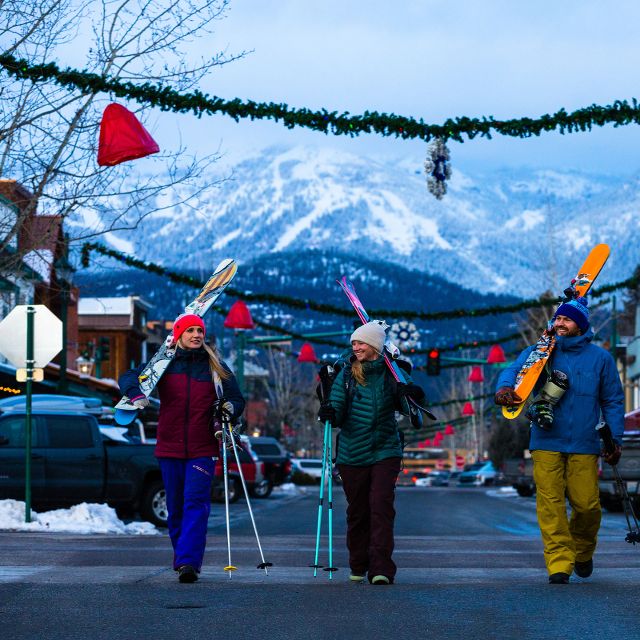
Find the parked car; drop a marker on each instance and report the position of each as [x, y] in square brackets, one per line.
[311, 466]
[477, 474]
[518, 472]
[73, 461]
[252, 471]
[434, 479]
[276, 459]
[408, 477]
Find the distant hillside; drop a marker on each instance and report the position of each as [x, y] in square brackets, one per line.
[312, 275]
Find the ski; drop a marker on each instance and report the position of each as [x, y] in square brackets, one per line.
[390, 351]
[532, 368]
[125, 411]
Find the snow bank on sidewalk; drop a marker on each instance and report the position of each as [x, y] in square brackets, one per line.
[82, 518]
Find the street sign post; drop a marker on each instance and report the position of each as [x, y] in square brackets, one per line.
[30, 336]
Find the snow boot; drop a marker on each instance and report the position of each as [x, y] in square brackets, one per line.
[187, 573]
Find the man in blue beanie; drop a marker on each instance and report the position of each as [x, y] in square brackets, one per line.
[582, 387]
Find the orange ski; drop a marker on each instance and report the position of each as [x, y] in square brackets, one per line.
[535, 363]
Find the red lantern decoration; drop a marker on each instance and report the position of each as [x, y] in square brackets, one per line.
[449, 430]
[421, 445]
[427, 442]
[496, 355]
[438, 437]
[122, 137]
[476, 375]
[239, 317]
[467, 410]
[307, 354]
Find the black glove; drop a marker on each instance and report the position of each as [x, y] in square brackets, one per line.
[411, 390]
[614, 457]
[541, 413]
[223, 409]
[506, 396]
[327, 412]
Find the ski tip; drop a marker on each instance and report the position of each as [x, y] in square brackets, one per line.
[125, 417]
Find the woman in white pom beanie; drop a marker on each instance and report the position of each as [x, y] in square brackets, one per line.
[363, 402]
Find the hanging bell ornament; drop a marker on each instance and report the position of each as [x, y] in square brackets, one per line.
[122, 137]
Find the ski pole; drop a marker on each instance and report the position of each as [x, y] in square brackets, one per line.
[633, 536]
[329, 463]
[315, 564]
[225, 478]
[263, 564]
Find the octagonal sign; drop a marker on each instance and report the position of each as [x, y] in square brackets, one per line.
[47, 336]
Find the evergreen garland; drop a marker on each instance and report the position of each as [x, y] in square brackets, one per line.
[619, 113]
[307, 304]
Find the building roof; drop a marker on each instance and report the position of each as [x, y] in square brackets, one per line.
[120, 306]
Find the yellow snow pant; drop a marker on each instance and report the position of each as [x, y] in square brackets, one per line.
[574, 475]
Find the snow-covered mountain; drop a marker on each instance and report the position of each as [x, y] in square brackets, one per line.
[518, 232]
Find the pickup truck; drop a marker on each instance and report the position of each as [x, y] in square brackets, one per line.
[629, 467]
[72, 461]
[519, 471]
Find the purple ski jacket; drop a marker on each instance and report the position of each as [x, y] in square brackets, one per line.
[187, 394]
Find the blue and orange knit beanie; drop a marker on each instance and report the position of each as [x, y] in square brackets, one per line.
[577, 310]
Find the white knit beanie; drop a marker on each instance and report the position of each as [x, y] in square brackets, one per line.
[372, 334]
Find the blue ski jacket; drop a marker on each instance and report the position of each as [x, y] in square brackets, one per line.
[594, 390]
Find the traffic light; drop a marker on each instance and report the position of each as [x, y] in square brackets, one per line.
[433, 363]
[104, 347]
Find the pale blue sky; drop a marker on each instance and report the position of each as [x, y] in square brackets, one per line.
[432, 59]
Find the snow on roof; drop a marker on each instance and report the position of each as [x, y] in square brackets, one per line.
[121, 306]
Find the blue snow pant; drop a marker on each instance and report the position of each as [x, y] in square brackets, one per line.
[188, 487]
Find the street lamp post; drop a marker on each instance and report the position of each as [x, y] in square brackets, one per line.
[64, 274]
[239, 319]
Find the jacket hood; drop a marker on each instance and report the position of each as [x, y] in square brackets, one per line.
[574, 343]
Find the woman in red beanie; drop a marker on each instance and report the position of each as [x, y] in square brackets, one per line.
[186, 449]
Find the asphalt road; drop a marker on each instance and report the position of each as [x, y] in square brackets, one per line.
[470, 566]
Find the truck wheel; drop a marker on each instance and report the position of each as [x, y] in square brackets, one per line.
[525, 492]
[154, 504]
[262, 489]
[235, 491]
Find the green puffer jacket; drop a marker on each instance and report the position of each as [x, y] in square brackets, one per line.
[369, 433]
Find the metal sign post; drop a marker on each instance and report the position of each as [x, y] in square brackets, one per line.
[30, 336]
[27, 427]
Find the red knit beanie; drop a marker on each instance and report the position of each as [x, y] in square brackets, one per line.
[183, 322]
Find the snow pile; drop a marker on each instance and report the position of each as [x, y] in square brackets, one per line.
[288, 488]
[81, 518]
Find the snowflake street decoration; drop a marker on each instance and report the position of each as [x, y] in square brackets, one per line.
[404, 334]
[437, 168]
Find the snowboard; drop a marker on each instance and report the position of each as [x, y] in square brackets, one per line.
[390, 352]
[535, 363]
[125, 411]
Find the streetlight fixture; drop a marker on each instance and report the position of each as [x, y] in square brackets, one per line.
[85, 365]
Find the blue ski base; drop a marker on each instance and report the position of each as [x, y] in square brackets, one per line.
[125, 417]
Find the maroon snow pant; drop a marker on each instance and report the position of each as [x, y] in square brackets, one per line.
[370, 495]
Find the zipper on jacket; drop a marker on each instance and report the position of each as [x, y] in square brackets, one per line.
[186, 408]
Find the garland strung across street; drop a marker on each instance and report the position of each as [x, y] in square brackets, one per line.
[620, 113]
[310, 305]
